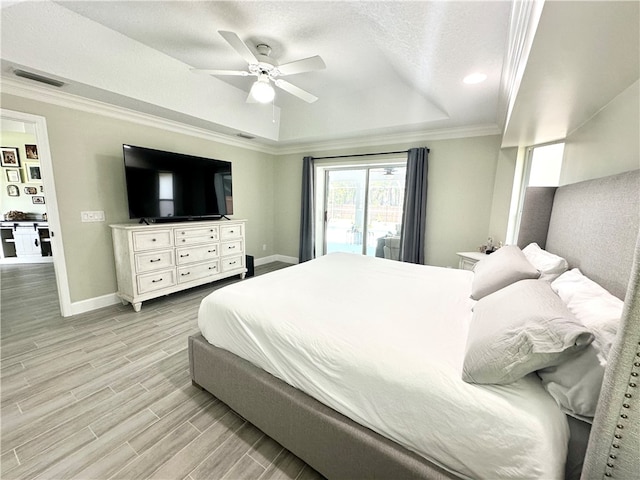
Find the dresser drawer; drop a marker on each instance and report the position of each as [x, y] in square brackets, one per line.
[150, 282]
[232, 263]
[190, 236]
[195, 272]
[230, 231]
[196, 254]
[231, 248]
[149, 240]
[148, 262]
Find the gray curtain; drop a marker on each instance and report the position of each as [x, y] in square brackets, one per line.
[307, 217]
[414, 216]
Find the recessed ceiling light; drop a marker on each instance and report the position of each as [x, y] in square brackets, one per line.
[474, 78]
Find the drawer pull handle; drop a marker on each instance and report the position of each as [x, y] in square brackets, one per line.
[232, 263]
[156, 260]
[212, 268]
[231, 231]
[185, 274]
[156, 281]
[211, 251]
[183, 240]
[231, 247]
[212, 237]
[153, 239]
[185, 255]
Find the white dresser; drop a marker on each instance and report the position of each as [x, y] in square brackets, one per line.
[159, 259]
[469, 259]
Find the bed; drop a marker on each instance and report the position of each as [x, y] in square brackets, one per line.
[334, 386]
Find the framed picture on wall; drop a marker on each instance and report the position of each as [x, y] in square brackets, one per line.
[9, 157]
[13, 175]
[32, 152]
[37, 200]
[31, 190]
[33, 172]
[13, 191]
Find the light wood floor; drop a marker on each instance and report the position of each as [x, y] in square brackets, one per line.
[107, 394]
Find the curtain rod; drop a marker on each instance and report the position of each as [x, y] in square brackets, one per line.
[362, 155]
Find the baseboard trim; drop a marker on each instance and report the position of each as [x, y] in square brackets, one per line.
[274, 258]
[95, 303]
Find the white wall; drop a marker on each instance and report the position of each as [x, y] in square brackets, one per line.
[608, 143]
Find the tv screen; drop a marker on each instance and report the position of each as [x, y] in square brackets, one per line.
[165, 185]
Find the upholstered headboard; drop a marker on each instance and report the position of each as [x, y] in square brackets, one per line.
[595, 226]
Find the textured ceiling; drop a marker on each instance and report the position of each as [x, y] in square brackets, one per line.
[391, 66]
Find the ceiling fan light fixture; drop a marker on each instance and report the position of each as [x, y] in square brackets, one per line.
[262, 91]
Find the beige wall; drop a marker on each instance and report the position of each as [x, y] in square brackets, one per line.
[608, 143]
[460, 198]
[86, 150]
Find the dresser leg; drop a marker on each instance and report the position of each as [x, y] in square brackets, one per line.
[137, 306]
[242, 275]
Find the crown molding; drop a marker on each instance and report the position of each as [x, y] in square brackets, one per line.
[11, 86]
[523, 24]
[393, 139]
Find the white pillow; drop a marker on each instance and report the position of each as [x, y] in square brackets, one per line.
[505, 266]
[549, 265]
[591, 304]
[575, 384]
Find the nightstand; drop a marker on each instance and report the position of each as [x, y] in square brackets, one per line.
[469, 259]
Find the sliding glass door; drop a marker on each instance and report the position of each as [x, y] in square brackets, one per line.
[363, 210]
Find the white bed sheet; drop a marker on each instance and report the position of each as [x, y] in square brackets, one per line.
[383, 342]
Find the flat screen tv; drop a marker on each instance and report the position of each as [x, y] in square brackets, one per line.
[166, 186]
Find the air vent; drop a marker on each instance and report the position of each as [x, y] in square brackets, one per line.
[244, 135]
[38, 78]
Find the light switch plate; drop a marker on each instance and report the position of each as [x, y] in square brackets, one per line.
[95, 216]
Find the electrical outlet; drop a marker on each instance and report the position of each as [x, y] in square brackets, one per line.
[95, 216]
[264, 247]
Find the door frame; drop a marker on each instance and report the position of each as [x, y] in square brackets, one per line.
[53, 217]
[321, 170]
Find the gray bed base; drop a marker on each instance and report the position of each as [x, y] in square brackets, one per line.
[331, 443]
[340, 448]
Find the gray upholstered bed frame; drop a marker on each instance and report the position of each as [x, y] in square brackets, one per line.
[594, 225]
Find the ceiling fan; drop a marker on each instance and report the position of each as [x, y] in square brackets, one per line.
[267, 70]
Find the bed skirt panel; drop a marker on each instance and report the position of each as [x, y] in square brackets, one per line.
[331, 443]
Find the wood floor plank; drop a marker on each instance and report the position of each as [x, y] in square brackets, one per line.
[246, 468]
[79, 395]
[108, 465]
[206, 446]
[225, 456]
[92, 452]
[165, 448]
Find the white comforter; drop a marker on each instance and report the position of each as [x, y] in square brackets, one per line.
[383, 342]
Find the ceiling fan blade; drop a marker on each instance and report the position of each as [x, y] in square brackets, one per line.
[239, 73]
[296, 91]
[239, 46]
[300, 66]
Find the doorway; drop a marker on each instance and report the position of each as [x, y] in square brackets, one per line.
[363, 210]
[36, 172]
